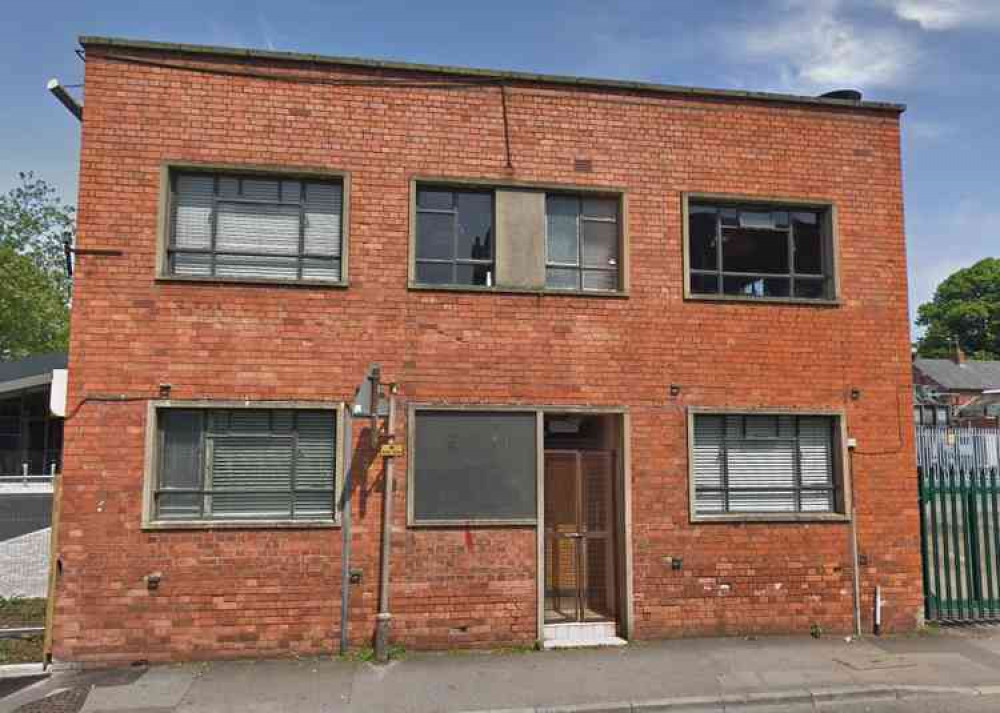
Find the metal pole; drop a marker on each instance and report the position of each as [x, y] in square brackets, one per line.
[855, 559]
[384, 618]
[345, 560]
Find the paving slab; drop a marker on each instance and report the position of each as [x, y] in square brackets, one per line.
[313, 685]
[159, 688]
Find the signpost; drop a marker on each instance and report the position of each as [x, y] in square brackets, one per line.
[370, 401]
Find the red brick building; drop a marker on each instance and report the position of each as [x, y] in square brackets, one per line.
[651, 346]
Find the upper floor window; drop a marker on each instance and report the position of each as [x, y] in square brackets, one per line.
[518, 238]
[759, 251]
[255, 227]
[454, 237]
[581, 242]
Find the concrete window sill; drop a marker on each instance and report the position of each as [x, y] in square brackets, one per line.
[738, 518]
[240, 525]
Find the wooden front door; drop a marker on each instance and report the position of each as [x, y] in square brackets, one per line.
[579, 536]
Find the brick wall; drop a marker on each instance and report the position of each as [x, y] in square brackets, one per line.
[259, 592]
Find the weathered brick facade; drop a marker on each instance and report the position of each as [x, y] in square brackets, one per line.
[258, 592]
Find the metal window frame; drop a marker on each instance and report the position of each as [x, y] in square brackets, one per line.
[841, 480]
[579, 268]
[829, 234]
[166, 209]
[454, 261]
[620, 193]
[155, 453]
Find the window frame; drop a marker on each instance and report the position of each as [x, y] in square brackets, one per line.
[165, 223]
[154, 451]
[617, 193]
[455, 261]
[579, 268]
[829, 237]
[841, 469]
[411, 431]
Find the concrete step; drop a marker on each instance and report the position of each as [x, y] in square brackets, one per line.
[598, 633]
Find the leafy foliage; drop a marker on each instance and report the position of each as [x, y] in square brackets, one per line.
[966, 309]
[34, 287]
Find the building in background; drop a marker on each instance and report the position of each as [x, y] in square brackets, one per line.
[955, 390]
[32, 409]
[635, 328]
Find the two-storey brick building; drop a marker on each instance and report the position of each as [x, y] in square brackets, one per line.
[651, 345]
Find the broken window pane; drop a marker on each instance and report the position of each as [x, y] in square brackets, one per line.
[454, 227]
[808, 244]
[815, 289]
[756, 286]
[745, 250]
[475, 226]
[704, 284]
[702, 232]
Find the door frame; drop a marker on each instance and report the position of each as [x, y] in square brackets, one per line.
[623, 516]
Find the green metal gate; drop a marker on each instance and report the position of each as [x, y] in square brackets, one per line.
[959, 473]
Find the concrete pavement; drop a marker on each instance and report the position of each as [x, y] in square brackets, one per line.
[703, 674]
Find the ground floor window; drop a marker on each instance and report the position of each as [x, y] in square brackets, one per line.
[766, 463]
[473, 467]
[245, 464]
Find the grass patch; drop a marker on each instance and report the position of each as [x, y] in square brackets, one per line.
[27, 650]
[367, 654]
[18, 612]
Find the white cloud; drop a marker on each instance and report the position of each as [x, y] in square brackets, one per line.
[815, 46]
[928, 131]
[947, 14]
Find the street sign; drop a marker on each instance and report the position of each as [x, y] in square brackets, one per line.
[362, 405]
[392, 450]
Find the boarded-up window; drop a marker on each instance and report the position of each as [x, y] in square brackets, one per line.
[246, 464]
[255, 227]
[471, 466]
[764, 464]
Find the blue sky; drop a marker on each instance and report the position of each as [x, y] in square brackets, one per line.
[937, 56]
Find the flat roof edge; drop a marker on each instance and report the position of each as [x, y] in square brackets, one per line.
[499, 75]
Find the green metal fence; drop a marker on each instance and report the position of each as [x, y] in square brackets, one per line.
[959, 472]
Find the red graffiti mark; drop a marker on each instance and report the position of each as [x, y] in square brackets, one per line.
[468, 541]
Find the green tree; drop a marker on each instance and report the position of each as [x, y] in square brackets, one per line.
[966, 310]
[34, 286]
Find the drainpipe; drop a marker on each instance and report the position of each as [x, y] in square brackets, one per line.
[345, 514]
[384, 619]
[855, 559]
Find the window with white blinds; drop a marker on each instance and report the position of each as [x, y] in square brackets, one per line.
[764, 464]
[246, 464]
[256, 227]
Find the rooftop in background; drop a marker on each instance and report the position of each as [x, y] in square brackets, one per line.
[486, 75]
[32, 366]
[962, 376]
